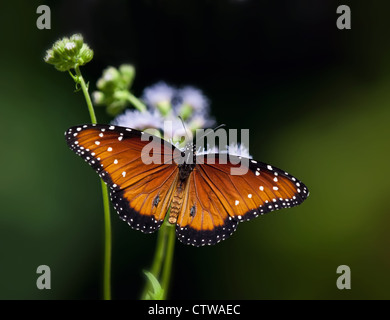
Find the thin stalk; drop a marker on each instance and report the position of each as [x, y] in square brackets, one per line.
[107, 244]
[160, 251]
[162, 261]
[167, 268]
[136, 102]
[106, 204]
[157, 260]
[87, 97]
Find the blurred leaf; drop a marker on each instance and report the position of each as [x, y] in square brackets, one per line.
[158, 292]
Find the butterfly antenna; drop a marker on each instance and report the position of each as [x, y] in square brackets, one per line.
[185, 128]
[220, 126]
[212, 130]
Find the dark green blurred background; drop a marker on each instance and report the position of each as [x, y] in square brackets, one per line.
[316, 101]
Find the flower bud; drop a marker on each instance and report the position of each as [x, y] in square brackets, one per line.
[116, 107]
[159, 96]
[128, 74]
[98, 98]
[186, 111]
[164, 107]
[69, 53]
[108, 82]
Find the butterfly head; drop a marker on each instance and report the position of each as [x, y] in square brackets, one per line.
[189, 153]
[189, 157]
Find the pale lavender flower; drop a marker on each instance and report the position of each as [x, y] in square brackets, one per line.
[157, 94]
[195, 98]
[165, 104]
[199, 121]
[174, 130]
[208, 150]
[238, 149]
[139, 120]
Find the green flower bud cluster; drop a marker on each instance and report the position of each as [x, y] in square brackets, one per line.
[69, 53]
[114, 89]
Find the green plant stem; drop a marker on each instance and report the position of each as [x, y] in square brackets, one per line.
[87, 97]
[136, 102]
[157, 260]
[106, 204]
[107, 243]
[167, 268]
[160, 251]
[162, 261]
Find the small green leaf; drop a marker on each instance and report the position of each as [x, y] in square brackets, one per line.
[158, 292]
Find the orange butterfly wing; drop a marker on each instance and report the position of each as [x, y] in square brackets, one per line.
[216, 201]
[141, 193]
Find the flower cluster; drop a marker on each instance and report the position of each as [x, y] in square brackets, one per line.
[165, 104]
[69, 53]
[114, 89]
[172, 113]
[186, 102]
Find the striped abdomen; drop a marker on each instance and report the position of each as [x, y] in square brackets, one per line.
[177, 201]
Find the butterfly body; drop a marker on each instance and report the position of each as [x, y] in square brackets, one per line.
[177, 202]
[202, 197]
[185, 170]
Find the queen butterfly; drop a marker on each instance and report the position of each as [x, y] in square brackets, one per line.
[206, 202]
